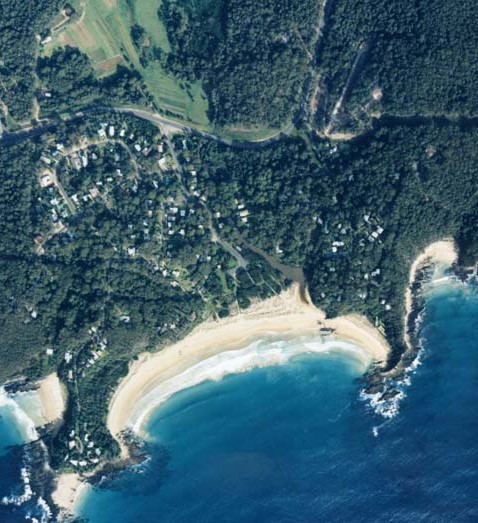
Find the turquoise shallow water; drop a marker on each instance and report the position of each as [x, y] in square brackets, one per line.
[11, 460]
[294, 443]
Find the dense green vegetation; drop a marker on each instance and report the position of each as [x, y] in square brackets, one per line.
[355, 215]
[421, 55]
[251, 56]
[20, 21]
[134, 267]
[123, 265]
[110, 248]
[68, 83]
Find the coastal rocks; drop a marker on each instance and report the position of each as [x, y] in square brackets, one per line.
[37, 483]
[19, 385]
[384, 391]
[136, 455]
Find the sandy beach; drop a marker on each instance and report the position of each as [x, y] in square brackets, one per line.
[46, 403]
[52, 398]
[285, 313]
[68, 489]
[439, 253]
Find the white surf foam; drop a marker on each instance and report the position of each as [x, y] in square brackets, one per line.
[25, 424]
[262, 353]
[19, 499]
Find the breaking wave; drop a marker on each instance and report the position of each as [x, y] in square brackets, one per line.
[25, 424]
[261, 353]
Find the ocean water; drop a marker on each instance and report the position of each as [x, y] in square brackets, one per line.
[15, 430]
[296, 443]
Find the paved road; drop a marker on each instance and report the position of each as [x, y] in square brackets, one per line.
[156, 118]
[162, 120]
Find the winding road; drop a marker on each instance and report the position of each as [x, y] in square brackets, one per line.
[155, 118]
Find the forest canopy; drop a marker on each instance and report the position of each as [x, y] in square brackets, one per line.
[251, 56]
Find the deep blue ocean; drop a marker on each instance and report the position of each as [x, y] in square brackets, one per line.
[295, 443]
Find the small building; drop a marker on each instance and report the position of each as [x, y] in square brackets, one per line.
[46, 180]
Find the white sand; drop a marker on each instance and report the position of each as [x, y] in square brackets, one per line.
[52, 397]
[283, 314]
[68, 490]
[441, 253]
[45, 404]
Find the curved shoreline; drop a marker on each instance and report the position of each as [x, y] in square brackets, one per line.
[269, 351]
[282, 314]
[441, 253]
[286, 313]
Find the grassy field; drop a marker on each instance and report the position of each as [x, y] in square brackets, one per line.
[103, 31]
[146, 15]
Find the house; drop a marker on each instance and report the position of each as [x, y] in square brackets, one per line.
[102, 133]
[111, 131]
[46, 180]
[76, 162]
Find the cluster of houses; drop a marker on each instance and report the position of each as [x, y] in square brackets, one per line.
[82, 451]
[95, 349]
[139, 145]
[93, 352]
[241, 211]
[60, 205]
[377, 229]
[177, 218]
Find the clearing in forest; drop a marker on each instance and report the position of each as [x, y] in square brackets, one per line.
[102, 30]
